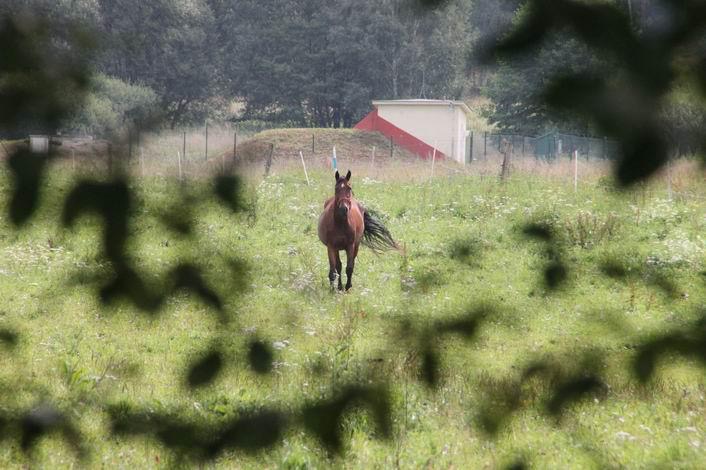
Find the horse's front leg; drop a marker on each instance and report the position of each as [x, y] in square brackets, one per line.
[339, 267]
[351, 253]
[332, 257]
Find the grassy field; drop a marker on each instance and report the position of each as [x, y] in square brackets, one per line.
[465, 254]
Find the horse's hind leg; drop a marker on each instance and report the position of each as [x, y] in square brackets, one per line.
[339, 267]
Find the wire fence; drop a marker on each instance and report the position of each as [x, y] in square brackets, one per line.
[548, 147]
[195, 151]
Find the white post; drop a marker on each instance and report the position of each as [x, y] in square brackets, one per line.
[142, 162]
[304, 165]
[334, 163]
[433, 160]
[576, 169]
[73, 160]
[669, 178]
[372, 160]
[179, 160]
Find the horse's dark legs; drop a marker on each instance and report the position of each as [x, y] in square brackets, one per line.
[332, 257]
[351, 253]
[339, 267]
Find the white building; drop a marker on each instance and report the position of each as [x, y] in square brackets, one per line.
[440, 124]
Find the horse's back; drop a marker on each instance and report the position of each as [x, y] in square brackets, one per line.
[358, 219]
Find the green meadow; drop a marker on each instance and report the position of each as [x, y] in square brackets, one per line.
[473, 346]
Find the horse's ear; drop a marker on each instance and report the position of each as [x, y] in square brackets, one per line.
[337, 175]
[348, 175]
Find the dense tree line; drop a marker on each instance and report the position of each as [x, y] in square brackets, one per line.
[315, 62]
[303, 62]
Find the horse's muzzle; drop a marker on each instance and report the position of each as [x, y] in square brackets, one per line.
[343, 208]
[342, 211]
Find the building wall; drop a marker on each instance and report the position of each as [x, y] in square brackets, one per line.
[460, 136]
[437, 125]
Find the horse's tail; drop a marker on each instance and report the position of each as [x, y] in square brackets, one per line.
[375, 235]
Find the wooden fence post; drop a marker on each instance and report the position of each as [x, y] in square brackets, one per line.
[268, 163]
[179, 162]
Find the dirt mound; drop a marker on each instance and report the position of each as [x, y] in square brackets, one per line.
[285, 144]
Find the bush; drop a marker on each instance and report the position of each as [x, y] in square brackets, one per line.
[112, 105]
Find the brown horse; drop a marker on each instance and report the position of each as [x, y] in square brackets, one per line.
[343, 224]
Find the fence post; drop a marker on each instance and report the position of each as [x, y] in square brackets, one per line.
[235, 145]
[433, 159]
[206, 149]
[183, 146]
[470, 151]
[179, 162]
[129, 144]
[392, 146]
[142, 162]
[576, 170]
[304, 165]
[268, 162]
[110, 159]
[485, 145]
[523, 146]
[312, 144]
[372, 160]
[669, 178]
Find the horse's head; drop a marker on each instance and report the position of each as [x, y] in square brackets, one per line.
[344, 193]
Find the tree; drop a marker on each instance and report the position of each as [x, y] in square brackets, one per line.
[112, 105]
[321, 63]
[164, 45]
[516, 88]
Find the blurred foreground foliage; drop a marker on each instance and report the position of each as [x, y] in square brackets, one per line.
[34, 79]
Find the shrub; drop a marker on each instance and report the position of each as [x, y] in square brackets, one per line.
[111, 105]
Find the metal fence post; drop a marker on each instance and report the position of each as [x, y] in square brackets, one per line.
[235, 144]
[470, 150]
[183, 146]
[485, 145]
[206, 149]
